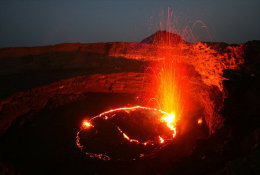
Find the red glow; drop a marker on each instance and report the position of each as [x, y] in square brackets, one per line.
[168, 120]
[200, 121]
[173, 86]
[182, 74]
[86, 124]
[161, 139]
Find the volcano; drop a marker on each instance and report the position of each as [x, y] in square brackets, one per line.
[47, 93]
[163, 38]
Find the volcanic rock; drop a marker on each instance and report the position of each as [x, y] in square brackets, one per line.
[68, 76]
[25, 68]
[66, 91]
[163, 38]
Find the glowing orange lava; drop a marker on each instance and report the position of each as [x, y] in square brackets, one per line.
[170, 121]
[86, 124]
[173, 85]
[181, 73]
[200, 121]
[161, 139]
[165, 119]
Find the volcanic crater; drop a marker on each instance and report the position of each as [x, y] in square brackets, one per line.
[47, 92]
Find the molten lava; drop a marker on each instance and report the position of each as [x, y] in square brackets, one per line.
[185, 79]
[184, 76]
[161, 139]
[86, 124]
[147, 128]
[200, 121]
[169, 119]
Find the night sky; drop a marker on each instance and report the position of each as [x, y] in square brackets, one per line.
[46, 22]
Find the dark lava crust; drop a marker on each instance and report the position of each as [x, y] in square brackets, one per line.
[40, 138]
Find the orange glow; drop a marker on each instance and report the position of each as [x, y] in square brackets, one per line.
[172, 86]
[200, 121]
[170, 121]
[126, 137]
[161, 139]
[181, 71]
[164, 118]
[167, 118]
[87, 124]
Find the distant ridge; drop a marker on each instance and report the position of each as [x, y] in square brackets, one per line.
[163, 38]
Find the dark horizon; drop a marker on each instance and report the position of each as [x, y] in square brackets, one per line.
[39, 23]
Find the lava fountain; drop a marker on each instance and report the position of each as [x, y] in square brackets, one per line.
[185, 85]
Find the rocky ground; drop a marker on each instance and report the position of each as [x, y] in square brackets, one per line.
[46, 92]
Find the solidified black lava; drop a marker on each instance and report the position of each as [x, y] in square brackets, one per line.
[46, 144]
[125, 134]
[42, 140]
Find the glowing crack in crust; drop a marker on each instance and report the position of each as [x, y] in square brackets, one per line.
[166, 119]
